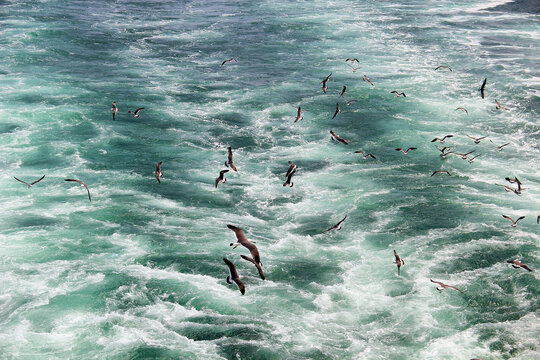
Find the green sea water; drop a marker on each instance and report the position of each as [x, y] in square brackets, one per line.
[137, 273]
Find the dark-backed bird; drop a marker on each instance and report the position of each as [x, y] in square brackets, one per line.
[512, 181]
[337, 226]
[499, 148]
[443, 67]
[136, 112]
[233, 276]
[441, 172]
[32, 183]
[229, 162]
[398, 261]
[241, 239]
[398, 94]
[405, 152]
[472, 159]
[352, 60]
[228, 60]
[338, 110]
[365, 156]
[158, 172]
[299, 114]
[463, 109]
[464, 156]
[516, 264]
[292, 168]
[365, 78]
[444, 286]
[514, 223]
[324, 86]
[343, 90]
[444, 153]
[336, 137]
[483, 87]
[82, 184]
[221, 177]
[476, 140]
[499, 106]
[114, 110]
[509, 189]
[443, 138]
[349, 102]
[353, 68]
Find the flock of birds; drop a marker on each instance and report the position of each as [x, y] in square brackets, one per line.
[229, 163]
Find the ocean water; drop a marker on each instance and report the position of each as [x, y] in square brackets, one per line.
[138, 273]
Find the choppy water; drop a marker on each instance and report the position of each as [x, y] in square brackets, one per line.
[138, 272]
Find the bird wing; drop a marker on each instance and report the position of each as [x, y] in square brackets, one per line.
[83, 184]
[455, 288]
[41, 178]
[371, 155]
[235, 277]
[509, 218]
[222, 172]
[137, 111]
[412, 148]
[519, 218]
[291, 168]
[259, 267]
[525, 267]
[437, 282]
[24, 182]
[337, 111]
[158, 166]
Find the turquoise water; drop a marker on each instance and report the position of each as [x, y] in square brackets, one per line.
[138, 272]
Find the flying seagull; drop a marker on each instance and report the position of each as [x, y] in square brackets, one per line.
[233, 276]
[338, 110]
[398, 261]
[353, 68]
[476, 140]
[242, 240]
[472, 159]
[365, 78]
[336, 137]
[82, 184]
[324, 86]
[365, 156]
[136, 112]
[158, 172]
[337, 226]
[292, 168]
[483, 87]
[114, 110]
[514, 223]
[509, 189]
[229, 162]
[398, 94]
[32, 183]
[499, 148]
[405, 152]
[349, 102]
[298, 114]
[352, 60]
[444, 286]
[221, 177]
[464, 156]
[516, 264]
[499, 106]
[442, 140]
[343, 90]
[443, 67]
[441, 172]
[463, 109]
[228, 60]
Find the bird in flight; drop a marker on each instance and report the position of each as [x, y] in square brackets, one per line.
[343, 90]
[514, 223]
[229, 162]
[463, 109]
[499, 106]
[158, 172]
[516, 264]
[442, 140]
[482, 88]
[338, 110]
[337, 226]
[233, 276]
[444, 286]
[241, 239]
[443, 67]
[353, 68]
[365, 156]
[499, 148]
[476, 140]
[398, 261]
[299, 114]
[405, 152]
[352, 60]
[82, 184]
[114, 110]
[324, 86]
[365, 78]
[228, 60]
[336, 137]
[398, 94]
[32, 183]
[441, 172]
[221, 177]
[136, 112]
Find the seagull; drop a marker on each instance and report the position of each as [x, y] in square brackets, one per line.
[114, 110]
[352, 60]
[407, 151]
[444, 286]
[445, 154]
[353, 68]
[464, 156]
[398, 94]
[482, 87]
[476, 140]
[472, 159]
[336, 137]
[516, 264]
[443, 67]
[221, 177]
[337, 226]
[324, 87]
[509, 189]
[292, 168]
[365, 78]
[349, 102]
[229, 162]
[32, 183]
[242, 240]
[82, 184]
[299, 114]
[538, 219]
[158, 172]
[233, 276]
[365, 156]
[442, 140]
[499, 106]
[398, 261]
[228, 60]
[338, 110]
[136, 112]
[441, 172]
[462, 109]
[514, 223]
[499, 148]
[289, 179]
[343, 90]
